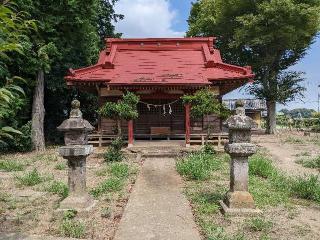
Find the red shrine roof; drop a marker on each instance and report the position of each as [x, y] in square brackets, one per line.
[159, 61]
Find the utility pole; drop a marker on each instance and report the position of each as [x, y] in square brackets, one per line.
[318, 99]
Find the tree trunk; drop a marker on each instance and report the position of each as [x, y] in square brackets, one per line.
[271, 117]
[119, 127]
[38, 111]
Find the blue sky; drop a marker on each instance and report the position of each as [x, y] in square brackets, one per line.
[168, 18]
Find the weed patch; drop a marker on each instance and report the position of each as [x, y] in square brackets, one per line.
[293, 140]
[109, 185]
[11, 166]
[306, 188]
[198, 166]
[261, 166]
[30, 179]
[70, 227]
[309, 162]
[59, 188]
[60, 166]
[258, 224]
[119, 170]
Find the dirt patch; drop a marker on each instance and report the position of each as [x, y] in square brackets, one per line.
[285, 151]
[30, 209]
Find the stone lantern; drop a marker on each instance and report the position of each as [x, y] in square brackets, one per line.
[76, 151]
[238, 200]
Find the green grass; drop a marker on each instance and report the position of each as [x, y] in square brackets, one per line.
[109, 185]
[261, 166]
[30, 179]
[307, 187]
[72, 228]
[293, 140]
[59, 188]
[60, 166]
[309, 162]
[119, 170]
[11, 166]
[259, 224]
[198, 166]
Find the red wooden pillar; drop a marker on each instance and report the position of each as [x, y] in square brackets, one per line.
[130, 133]
[187, 119]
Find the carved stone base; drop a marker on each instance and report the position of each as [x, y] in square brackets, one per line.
[79, 203]
[239, 211]
[239, 199]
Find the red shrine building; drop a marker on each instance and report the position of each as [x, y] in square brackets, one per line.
[160, 71]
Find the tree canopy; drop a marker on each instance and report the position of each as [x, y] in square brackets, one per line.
[269, 35]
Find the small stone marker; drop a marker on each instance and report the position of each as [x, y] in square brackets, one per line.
[76, 151]
[238, 200]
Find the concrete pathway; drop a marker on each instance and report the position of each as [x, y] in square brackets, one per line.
[157, 208]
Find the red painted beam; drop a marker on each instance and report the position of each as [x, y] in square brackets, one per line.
[187, 119]
[130, 133]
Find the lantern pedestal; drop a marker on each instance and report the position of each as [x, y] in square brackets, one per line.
[78, 198]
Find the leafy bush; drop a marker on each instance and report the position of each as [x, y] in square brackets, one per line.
[306, 188]
[119, 170]
[109, 185]
[59, 188]
[11, 166]
[20, 142]
[114, 153]
[30, 179]
[198, 166]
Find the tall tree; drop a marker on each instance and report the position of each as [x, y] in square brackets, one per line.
[68, 36]
[269, 35]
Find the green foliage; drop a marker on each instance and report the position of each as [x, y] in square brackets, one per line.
[123, 109]
[209, 149]
[198, 166]
[204, 102]
[30, 179]
[258, 224]
[306, 188]
[119, 170]
[20, 142]
[109, 185]
[59, 188]
[11, 165]
[106, 212]
[114, 153]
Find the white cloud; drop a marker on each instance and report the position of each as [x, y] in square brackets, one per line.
[146, 18]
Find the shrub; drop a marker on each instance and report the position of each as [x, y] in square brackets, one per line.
[109, 185]
[114, 153]
[11, 166]
[306, 188]
[59, 188]
[261, 166]
[20, 142]
[30, 179]
[119, 170]
[197, 166]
